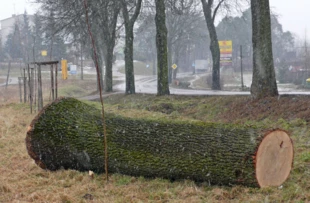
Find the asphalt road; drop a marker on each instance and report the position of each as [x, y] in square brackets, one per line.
[148, 84]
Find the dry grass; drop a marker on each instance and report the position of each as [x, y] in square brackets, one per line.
[22, 180]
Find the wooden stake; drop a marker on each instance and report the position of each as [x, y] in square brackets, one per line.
[25, 86]
[35, 87]
[40, 97]
[31, 89]
[20, 89]
[56, 81]
[52, 82]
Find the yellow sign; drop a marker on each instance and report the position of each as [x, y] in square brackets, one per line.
[226, 53]
[174, 66]
[308, 80]
[44, 53]
[64, 69]
[225, 47]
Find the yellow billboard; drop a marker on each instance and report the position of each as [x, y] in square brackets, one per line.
[225, 47]
[64, 69]
[226, 53]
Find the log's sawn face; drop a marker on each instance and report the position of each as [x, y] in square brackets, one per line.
[68, 134]
[274, 159]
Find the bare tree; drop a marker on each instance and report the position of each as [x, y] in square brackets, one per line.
[145, 40]
[108, 15]
[129, 24]
[162, 52]
[103, 15]
[210, 13]
[186, 39]
[211, 9]
[264, 80]
[183, 18]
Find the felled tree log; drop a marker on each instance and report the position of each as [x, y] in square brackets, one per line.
[68, 134]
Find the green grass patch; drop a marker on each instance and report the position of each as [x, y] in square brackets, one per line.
[305, 157]
[72, 91]
[123, 179]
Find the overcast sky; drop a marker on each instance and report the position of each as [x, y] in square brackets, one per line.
[9, 7]
[293, 15]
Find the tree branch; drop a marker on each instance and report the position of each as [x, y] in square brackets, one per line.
[216, 9]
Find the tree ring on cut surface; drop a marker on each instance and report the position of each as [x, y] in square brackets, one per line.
[274, 159]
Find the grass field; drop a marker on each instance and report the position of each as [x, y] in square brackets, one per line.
[22, 180]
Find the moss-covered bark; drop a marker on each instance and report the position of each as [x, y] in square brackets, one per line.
[68, 134]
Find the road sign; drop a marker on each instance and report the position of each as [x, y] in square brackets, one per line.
[44, 53]
[174, 66]
[73, 69]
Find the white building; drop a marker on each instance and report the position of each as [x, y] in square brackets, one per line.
[7, 25]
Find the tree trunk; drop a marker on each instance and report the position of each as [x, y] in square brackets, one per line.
[8, 75]
[169, 61]
[68, 134]
[106, 36]
[264, 80]
[214, 47]
[161, 44]
[108, 67]
[129, 24]
[100, 57]
[129, 66]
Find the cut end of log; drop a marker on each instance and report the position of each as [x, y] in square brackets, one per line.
[29, 128]
[274, 159]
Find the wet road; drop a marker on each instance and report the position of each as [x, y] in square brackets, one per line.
[148, 84]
